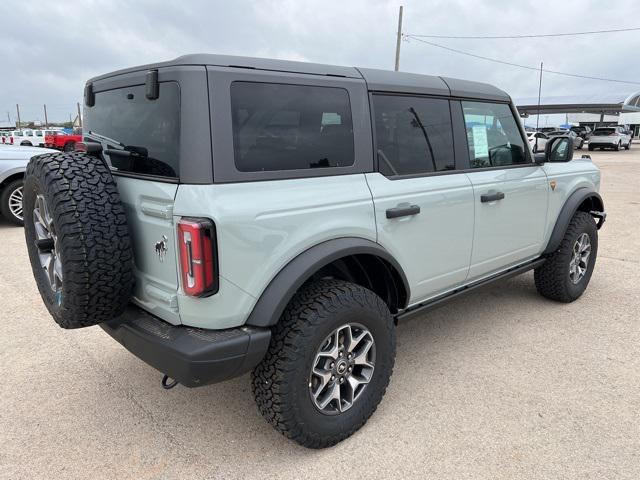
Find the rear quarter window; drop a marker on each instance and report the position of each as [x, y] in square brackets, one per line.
[137, 135]
[280, 127]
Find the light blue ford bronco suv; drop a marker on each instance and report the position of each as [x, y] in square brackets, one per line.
[227, 215]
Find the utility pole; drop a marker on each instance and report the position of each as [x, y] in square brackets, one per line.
[79, 115]
[19, 122]
[399, 39]
[538, 115]
[46, 120]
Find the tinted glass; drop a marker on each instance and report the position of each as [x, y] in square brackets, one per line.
[604, 131]
[493, 135]
[143, 135]
[290, 127]
[413, 135]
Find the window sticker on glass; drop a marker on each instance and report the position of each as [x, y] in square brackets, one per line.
[480, 143]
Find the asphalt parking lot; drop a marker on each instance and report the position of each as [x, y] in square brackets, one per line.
[499, 384]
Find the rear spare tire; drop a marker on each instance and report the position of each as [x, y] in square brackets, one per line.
[77, 238]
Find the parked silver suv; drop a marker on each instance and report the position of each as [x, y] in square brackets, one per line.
[238, 214]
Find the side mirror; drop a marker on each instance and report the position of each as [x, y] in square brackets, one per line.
[559, 149]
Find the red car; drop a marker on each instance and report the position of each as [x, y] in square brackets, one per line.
[62, 141]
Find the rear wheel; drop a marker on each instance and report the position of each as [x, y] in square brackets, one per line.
[26, 144]
[11, 202]
[581, 145]
[328, 364]
[590, 148]
[566, 273]
[617, 146]
[69, 146]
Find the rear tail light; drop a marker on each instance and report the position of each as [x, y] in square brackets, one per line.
[198, 262]
[11, 140]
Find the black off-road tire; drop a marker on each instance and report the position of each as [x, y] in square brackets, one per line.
[552, 278]
[590, 148]
[4, 202]
[92, 238]
[280, 383]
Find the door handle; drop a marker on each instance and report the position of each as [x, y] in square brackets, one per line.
[403, 211]
[491, 197]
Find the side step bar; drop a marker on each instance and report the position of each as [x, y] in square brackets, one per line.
[438, 301]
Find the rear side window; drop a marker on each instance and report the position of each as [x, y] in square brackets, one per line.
[413, 135]
[138, 135]
[290, 127]
[493, 135]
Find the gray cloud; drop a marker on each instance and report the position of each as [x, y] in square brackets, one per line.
[50, 48]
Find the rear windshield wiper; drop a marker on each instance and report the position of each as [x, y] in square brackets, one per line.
[103, 138]
[116, 147]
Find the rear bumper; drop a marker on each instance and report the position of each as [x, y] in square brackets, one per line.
[603, 143]
[192, 356]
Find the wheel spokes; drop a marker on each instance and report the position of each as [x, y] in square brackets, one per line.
[342, 368]
[580, 258]
[46, 243]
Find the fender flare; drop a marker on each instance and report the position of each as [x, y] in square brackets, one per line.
[567, 212]
[11, 172]
[291, 277]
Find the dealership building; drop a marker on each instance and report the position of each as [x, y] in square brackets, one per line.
[591, 110]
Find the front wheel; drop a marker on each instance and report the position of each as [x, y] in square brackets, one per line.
[11, 202]
[566, 273]
[617, 147]
[328, 364]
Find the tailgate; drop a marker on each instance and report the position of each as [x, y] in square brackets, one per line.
[149, 210]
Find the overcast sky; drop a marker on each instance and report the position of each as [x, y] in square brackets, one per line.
[49, 48]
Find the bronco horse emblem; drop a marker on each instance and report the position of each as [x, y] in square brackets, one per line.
[161, 248]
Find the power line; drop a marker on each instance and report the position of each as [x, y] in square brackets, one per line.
[543, 35]
[495, 60]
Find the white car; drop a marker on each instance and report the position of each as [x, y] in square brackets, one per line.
[22, 137]
[13, 163]
[537, 141]
[27, 137]
[615, 137]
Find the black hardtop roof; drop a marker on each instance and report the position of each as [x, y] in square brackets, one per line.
[377, 80]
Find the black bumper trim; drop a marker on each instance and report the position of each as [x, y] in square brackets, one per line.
[192, 356]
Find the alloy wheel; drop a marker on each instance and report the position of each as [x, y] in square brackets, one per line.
[580, 258]
[342, 368]
[15, 203]
[47, 244]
